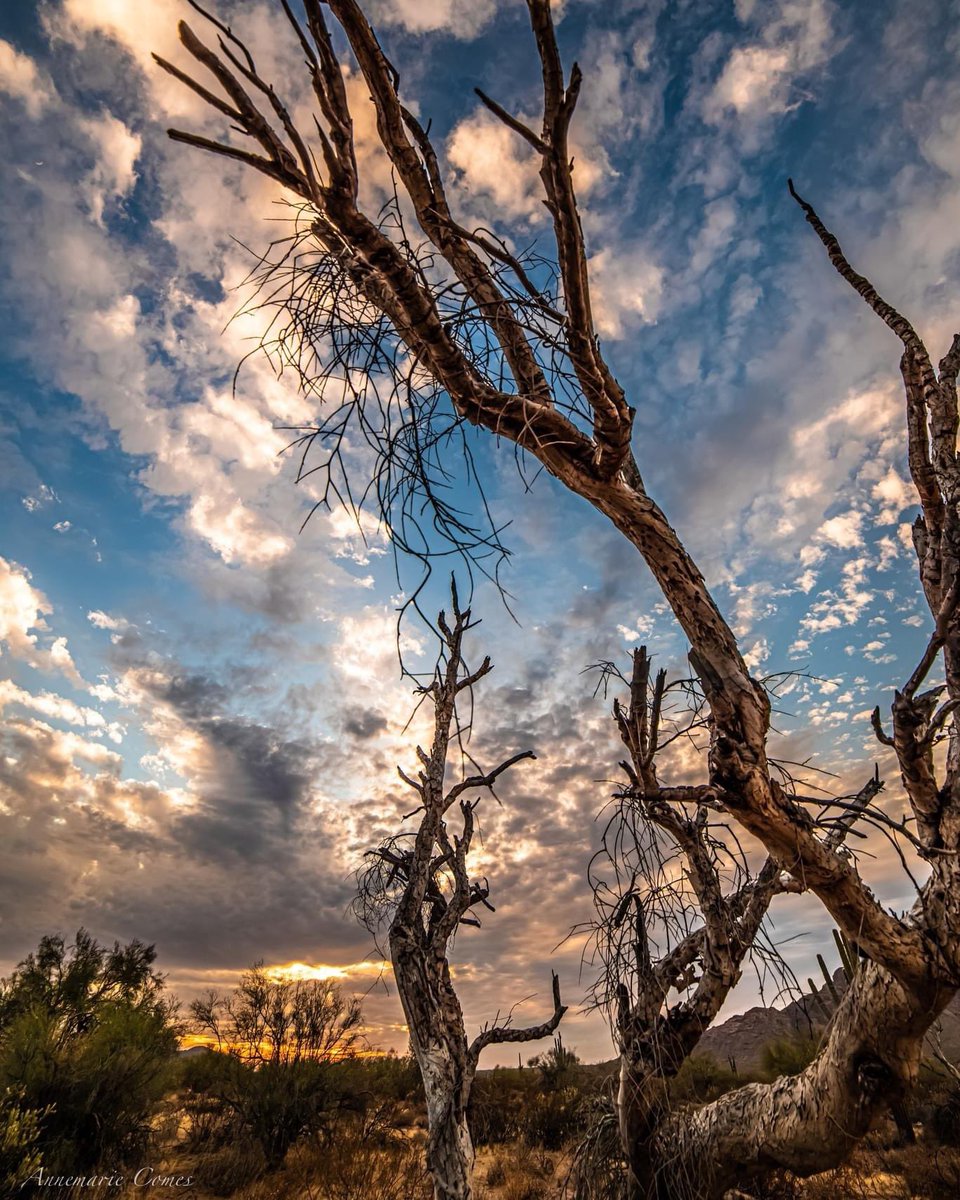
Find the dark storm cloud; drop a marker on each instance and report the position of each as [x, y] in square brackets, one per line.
[363, 724]
[71, 854]
[252, 781]
[248, 867]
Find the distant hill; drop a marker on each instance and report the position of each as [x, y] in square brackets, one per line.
[742, 1038]
[193, 1051]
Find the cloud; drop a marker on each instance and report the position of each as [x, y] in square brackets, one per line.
[23, 627]
[463, 18]
[49, 704]
[626, 288]
[21, 79]
[114, 173]
[842, 530]
[495, 165]
[759, 80]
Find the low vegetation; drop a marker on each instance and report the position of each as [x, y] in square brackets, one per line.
[291, 1104]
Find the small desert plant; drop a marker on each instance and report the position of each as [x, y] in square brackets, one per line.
[497, 1172]
[553, 1119]
[521, 1172]
[702, 1079]
[599, 1171]
[367, 1157]
[945, 1120]
[498, 1099]
[236, 1163]
[19, 1142]
[788, 1055]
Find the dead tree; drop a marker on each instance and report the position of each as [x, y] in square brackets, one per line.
[419, 883]
[679, 910]
[472, 334]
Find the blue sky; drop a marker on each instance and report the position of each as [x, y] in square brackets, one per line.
[204, 707]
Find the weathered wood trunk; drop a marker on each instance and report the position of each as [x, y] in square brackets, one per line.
[439, 1043]
[803, 1123]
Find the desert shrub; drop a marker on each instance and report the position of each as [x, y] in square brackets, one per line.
[553, 1119]
[497, 1172]
[498, 1100]
[553, 1115]
[522, 1185]
[521, 1173]
[87, 1039]
[363, 1083]
[19, 1142]
[270, 1020]
[368, 1157]
[281, 1102]
[235, 1163]
[266, 1108]
[557, 1067]
[945, 1120]
[202, 1074]
[927, 1172]
[598, 1171]
[282, 1063]
[788, 1055]
[702, 1079]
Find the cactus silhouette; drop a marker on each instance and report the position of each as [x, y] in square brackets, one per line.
[849, 961]
[818, 999]
[848, 955]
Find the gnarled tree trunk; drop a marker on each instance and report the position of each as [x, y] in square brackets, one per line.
[426, 894]
[439, 1043]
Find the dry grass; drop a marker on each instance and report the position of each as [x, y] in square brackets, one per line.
[516, 1171]
[365, 1160]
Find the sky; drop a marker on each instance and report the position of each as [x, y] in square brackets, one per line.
[203, 707]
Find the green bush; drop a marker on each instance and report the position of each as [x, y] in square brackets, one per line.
[552, 1119]
[362, 1082]
[945, 1121]
[86, 1043]
[498, 1100]
[203, 1074]
[702, 1079]
[284, 1069]
[370, 1158]
[281, 1102]
[19, 1142]
[789, 1055]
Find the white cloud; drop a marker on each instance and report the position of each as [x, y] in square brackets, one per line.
[758, 80]
[626, 289]
[59, 708]
[894, 495]
[236, 533]
[21, 79]
[843, 530]
[114, 173]
[497, 171]
[834, 609]
[756, 654]
[23, 609]
[754, 78]
[103, 620]
[65, 746]
[463, 18]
